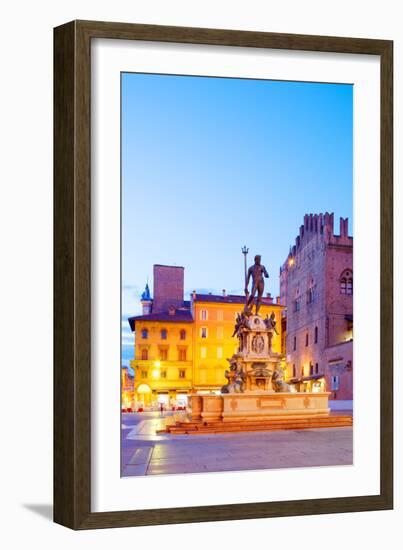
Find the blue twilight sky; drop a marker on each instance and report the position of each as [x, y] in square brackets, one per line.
[211, 164]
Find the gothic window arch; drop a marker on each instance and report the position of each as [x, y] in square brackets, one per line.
[346, 282]
[144, 334]
[164, 334]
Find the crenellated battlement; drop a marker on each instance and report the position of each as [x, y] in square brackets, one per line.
[321, 228]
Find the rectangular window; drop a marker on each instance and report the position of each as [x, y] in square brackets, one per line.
[144, 354]
[182, 355]
[163, 354]
[310, 369]
[144, 374]
[295, 343]
[310, 298]
[316, 368]
[182, 373]
[334, 383]
[306, 339]
[220, 333]
[294, 371]
[203, 314]
[203, 352]
[220, 315]
[163, 374]
[203, 332]
[219, 353]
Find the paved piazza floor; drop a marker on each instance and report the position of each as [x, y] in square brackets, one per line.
[145, 453]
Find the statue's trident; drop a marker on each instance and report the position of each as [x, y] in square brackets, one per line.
[245, 253]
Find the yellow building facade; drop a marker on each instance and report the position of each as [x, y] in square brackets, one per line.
[163, 361]
[213, 340]
[185, 350]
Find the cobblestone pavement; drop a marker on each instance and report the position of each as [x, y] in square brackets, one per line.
[145, 453]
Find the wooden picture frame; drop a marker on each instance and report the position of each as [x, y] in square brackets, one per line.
[72, 273]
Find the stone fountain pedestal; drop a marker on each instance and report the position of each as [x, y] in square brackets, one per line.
[256, 390]
[252, 406]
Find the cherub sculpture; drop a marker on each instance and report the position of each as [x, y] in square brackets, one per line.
[235, 377]
[271, 322]
[277, 379]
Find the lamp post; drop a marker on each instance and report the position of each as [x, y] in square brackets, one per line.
[245, 251]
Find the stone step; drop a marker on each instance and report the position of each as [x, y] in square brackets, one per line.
[330, 419]
[259, 425]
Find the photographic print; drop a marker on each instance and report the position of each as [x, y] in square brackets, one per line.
[209, 185]
[236, 274]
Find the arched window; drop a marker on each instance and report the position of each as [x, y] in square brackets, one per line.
[144, 333]
[164, 334]
[346, 282]
[182, 334]
[343, 285]
[144, 354]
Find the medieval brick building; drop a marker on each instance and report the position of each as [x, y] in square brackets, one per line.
[316, 286]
